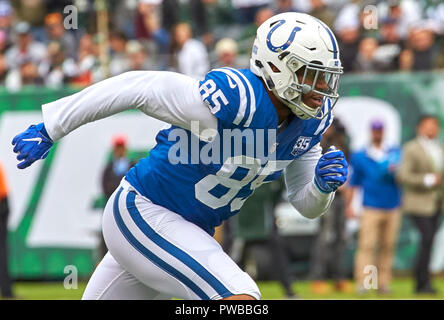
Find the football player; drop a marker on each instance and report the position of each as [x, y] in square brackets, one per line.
[158, 224]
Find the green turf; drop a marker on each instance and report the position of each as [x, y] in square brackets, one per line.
[402, 289]
[47, 291]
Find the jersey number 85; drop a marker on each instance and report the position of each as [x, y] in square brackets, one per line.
[217, 96]
[256, 175]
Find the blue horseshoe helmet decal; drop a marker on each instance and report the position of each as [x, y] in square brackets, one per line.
[287, 43]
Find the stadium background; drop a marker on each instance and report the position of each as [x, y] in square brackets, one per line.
[51, 227]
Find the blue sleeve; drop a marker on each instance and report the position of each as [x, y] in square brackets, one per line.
[356, 172]
[228, 95]
[394, 156]
[162, 38]
[391, 164]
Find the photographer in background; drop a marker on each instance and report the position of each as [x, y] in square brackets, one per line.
[326, 261]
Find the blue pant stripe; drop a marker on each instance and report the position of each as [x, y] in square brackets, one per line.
[151, 256]
[173, 250]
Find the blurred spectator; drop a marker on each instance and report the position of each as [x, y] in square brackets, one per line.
[190, 54]
[57, 69]
[198, 13]
[421, 43]
[347, 30]
[421, 175]
[389, 32]
[405, 13]
[119, 62]
[32, 12]
[148, 27]
[24, 48]
[55, 31]
[124, 16]
[113, 173]
[170, 14]
[434, 10]
[406, 60]
[5, 279]
[86, 61]
[307, 6]
[226, 51]
[59, 5]
[27, 74]
[137, 56]
[245, 10]
[200, 20]
[326, 261]
[390, 44]
[249, 32]
[320, 10]
[284, 6]
[348, 17]
[3, 69]
[405, 41]
[372, 57]
[117, 167]
[302, 6]
[365, 60]
[6, 19]
[262, 15]
[3, 42]
[373, 170]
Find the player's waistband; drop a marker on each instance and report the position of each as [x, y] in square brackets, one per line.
[125, 185]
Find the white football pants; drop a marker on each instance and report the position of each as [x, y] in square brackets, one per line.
[154, 253]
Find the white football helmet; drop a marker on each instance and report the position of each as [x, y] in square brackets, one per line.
[286, 43]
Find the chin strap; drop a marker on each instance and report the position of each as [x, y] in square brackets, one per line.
[298, 110]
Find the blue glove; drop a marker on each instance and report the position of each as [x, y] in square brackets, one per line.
[32, 145]
[331, 170]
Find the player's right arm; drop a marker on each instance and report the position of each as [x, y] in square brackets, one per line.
[223, 96]
[167, 96]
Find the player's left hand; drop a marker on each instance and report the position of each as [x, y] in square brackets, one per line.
[31, 145]
[331, 170]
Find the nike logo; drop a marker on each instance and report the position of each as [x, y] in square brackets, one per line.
[39, 140]
[230, 83]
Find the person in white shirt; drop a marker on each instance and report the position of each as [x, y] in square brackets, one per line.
[25, 48]
[192, 56]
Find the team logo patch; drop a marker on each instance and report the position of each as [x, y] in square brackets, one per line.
[286, 43]
[301, 145]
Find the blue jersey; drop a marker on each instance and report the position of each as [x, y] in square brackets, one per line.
[378, 183]
[208, 192]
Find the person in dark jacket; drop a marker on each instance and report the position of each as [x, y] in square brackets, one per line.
[5, 279]
[113, 173]
[327, 254]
